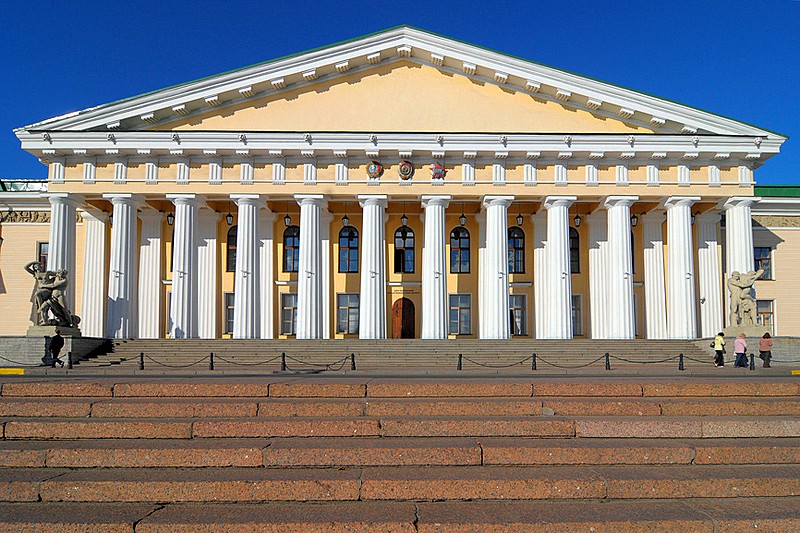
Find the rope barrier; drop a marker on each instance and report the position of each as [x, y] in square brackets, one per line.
[567, 367]
[237, 363]
[18, 363]
[175, 366]
[487, 365]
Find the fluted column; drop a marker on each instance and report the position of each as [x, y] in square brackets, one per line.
[496, 278]
[61, 251]
[122, 276]
[372, 301]
[325, 272]
[207, 307]
[184, 266]
[246, 319]
[559, 282]
[622, 321]
[540, 294]
[434, 273]
[709, 271]
[655, 299]
[739, 234]
[309, 275]
[267, 270]
[93, 305]
[150, 274]
[598, 273]
[681, 308]
[483, 313]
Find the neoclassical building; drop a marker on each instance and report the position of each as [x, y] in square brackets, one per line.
[401, 184]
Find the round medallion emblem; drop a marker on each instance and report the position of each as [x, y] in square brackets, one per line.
[374, 170]
[406, 170]
[438, 172]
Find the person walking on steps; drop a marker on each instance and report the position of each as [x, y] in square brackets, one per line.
[765, 349]
[740, 348]
[719, 348]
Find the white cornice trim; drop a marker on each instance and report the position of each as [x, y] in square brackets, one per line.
[456, 56]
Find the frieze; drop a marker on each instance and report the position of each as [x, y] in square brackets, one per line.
[27, 217]
[771, 221]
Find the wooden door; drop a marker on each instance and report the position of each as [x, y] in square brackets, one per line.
[403, 319]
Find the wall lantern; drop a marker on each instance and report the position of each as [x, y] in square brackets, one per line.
[634, 220]
[170, 218]
[692, 218]
[462, 219]
[345, 220]
[577, 221]
[519, 219]
[287, 220]
[229, 216]
[404, 220]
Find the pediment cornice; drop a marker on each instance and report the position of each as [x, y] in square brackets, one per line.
[398, 44]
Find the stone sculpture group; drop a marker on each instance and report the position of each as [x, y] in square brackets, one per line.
[743, 305]
[49, 299]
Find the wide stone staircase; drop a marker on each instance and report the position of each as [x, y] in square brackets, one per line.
[243, 354]
[360, 453]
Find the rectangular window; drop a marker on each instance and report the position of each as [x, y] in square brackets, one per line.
[763, 260]
[765, 316]
[518, 314]
[228, 299]
[347, 313]
[460, 314]
[577, 315]
[42, 249]
[288, 313]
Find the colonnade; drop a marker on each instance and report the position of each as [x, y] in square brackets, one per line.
[129, 307]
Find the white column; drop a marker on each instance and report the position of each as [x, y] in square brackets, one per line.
[150, 274]
[655, 299]
[709, 271]
[61, 252]
[496, 278]
[93, 305]
[309, 275]
[325, 272]
[622, 321]
[267, 269]
[122, 276]
[372, 301]
[681, 308]
[598, 273]
[540, 294]
[559, 282]
[184, 266]
[434, 269]
[246, 319]
[207, 291]
[483, 313]
[739, 234]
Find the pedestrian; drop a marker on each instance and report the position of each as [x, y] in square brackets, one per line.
[765, 349]
[56, 343]
[740, 348]
[719, 348]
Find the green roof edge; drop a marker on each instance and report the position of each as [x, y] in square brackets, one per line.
[777, 190]
[345, 41]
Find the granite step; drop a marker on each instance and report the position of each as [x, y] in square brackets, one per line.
[450, 483]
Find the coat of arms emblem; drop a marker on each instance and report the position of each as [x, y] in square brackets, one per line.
[406, 170]
[374, 170]
[438, 172]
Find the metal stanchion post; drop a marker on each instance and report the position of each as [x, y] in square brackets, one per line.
[211, 361]
[458, 367]
[608, 362]
[352, 361]
[283, 361]
[680, 362]
[533, 361]
[141, 360]
[752, 361]
[69, 360]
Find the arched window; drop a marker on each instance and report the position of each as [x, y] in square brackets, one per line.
[348, 249]
[574, 251]
[291, 249]
[404, 250]
[459, 250]
[516, 250]
[230, 258]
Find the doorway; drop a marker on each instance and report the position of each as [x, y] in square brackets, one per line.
[403, 319]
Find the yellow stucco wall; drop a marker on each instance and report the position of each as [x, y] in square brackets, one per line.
[784, 288]
[16, 285]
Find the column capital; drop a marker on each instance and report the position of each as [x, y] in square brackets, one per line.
[248, 199]
[441, 199]
[739, 201]
[613, 201]
[311, 199]
[504, 201]
[372, 199]
[125, 199]
[558, 201]
[680, 201]
[57, 198]
[196, 200]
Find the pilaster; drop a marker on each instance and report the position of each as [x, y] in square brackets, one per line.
[540, 293]
[598, 273]
[266, 267]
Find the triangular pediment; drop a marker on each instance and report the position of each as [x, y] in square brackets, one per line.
[401, 79]
[402, 96]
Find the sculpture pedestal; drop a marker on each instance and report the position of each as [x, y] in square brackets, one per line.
[49, 331]
[749, 331]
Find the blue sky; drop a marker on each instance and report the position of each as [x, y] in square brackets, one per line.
[736, 58]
